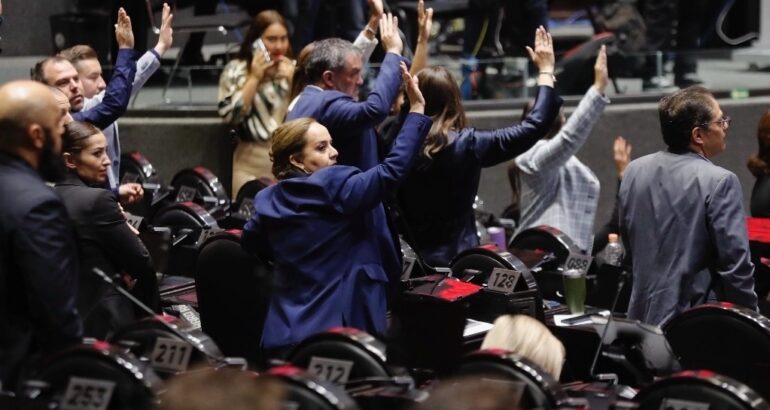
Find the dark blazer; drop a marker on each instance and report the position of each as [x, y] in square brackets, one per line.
[437, 196]
[760, 197]
[106, 242]
[333, 257]
[351, 123]
[38, 269]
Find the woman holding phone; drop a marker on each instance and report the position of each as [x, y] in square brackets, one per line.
[254, 93]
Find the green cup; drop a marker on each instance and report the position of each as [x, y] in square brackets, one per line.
[575, 290]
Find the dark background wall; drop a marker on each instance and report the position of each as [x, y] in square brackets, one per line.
[26, 29]
[172, 143]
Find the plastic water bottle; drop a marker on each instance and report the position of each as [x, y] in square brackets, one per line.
[613, 252]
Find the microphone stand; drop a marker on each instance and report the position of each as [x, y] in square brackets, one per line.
[219, 360]
[621, 282]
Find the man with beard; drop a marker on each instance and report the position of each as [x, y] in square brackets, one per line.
[38, 258]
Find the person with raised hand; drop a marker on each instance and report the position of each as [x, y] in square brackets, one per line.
[322, 228]
[437, 197]
[89, 70]
[556, 188]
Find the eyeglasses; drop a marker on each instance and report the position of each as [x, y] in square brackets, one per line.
[724, 122]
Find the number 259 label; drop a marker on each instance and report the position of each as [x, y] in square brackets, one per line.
[503, 280]
[87, 394]
[170, 355]
[333, 370]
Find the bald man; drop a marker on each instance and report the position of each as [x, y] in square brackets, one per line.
[38, 258]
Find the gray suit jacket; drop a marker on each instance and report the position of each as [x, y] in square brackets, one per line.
[683, 224]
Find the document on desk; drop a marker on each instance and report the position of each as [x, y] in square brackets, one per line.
[475, 327]
[578, 318]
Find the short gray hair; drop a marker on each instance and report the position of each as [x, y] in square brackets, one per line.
[328, 54]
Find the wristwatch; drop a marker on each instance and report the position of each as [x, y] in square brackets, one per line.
[548, 73]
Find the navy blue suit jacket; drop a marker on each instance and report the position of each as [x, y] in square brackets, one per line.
[38, 268]
[437, 196]
[117, 94]
[351, 123]
[333, 253]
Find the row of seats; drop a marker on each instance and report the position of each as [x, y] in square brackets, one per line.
[217, 296]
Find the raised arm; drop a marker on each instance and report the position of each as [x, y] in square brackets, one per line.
[367, 39]
[556, 151]
[118, 93]
[348, 113]
[364, 190]
[424, 24]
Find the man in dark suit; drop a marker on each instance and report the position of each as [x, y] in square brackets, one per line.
[335, 73]
[38, 258]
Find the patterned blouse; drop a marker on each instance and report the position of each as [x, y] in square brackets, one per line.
[267, 110]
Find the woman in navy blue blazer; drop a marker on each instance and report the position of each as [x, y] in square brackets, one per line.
[437, 196]
[332, 264]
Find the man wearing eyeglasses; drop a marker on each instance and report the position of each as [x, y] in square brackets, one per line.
[682, 217]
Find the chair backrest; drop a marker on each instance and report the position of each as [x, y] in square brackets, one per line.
[183, 250]
[201, 186]
[306, 392]
[699, 390]
[726, 339]
[540, 390]
[485, 259]
[83, 376]
[167, 353]
[342, 354]
[232, 285]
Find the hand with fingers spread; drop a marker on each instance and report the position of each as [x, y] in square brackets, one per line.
[416, 100]
[165, 38]
[601, 75]
[543, 56]
[621, 154]
[123, 31]
[391, 40]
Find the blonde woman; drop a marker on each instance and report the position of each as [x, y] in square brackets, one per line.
[528, 338]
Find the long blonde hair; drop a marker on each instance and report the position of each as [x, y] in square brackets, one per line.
[529, 338]
[443, 104]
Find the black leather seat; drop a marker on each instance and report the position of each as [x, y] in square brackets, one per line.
[726, 339]
[699, 390]
[142, 337]
[186, 222]
[201, 186]
[306, 392]
[232, 285]
[540, 389]
[362, 350]
[134, 383]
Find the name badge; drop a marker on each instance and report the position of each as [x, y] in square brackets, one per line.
[332, 370]
[87, 394]
[170, 355]
[503, 280]
[185, 194]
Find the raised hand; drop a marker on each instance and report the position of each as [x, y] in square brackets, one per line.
[391, 40]
[601, 75]
[123, 31]
[542, 55]
[621, 154]
[424, 21]
[416, 100]
[375, 9]
[165, 36]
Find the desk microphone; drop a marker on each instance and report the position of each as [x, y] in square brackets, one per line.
[194, 342]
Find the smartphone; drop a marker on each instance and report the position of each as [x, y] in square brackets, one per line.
[258, 46]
